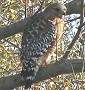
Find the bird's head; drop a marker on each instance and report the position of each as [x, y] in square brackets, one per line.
[55, 10]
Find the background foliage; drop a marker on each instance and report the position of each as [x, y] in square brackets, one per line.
[12, 11]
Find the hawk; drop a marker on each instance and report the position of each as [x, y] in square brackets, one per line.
[39, 40]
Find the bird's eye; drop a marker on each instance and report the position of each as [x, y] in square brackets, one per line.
[57, 9]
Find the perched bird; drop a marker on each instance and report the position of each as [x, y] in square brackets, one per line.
[39, 40]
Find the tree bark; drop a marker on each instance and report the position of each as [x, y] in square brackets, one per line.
[52, 70]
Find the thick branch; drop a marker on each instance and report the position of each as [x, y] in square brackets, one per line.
[73, 7]
[52, 70]
[13, 28]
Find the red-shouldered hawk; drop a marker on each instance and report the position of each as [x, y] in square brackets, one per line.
[39, 40]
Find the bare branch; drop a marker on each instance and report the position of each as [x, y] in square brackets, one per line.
[82, 12]
[74, 7]
[13, 28]
[52, 70]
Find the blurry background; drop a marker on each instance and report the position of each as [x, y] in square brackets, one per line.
[12, 11]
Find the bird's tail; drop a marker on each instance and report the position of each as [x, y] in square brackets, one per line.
[29, 71]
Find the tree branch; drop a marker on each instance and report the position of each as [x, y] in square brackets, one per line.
[74, 7]
[73, 42]
[19, 26]
[13, 28]
[52, 70]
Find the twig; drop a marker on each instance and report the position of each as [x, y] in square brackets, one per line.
[39, 8]
[25, 8]
[70, 20]
[81, 21]
[10, 43]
